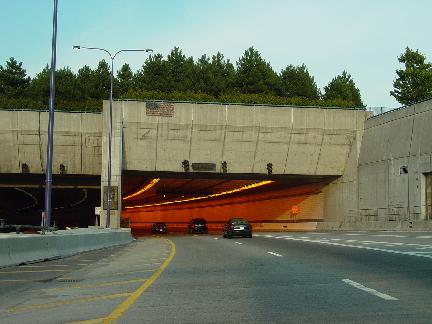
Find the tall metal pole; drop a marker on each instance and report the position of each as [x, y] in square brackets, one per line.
[112, 57]
[48, 180]
[108, 198]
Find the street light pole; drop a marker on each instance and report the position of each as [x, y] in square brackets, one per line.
[48, 177]
[112, 57]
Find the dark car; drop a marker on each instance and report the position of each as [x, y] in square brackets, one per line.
[159, 228]
[237, 227]
[197, 225]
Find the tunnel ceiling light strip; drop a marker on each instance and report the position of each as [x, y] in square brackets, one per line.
[247, 187]
[145, 188]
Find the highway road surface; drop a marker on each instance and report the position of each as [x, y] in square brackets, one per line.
[330, 277]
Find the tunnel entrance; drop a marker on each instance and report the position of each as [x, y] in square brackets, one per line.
[74, 198]
[268, 202]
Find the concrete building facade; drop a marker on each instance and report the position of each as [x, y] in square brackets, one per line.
[308, 142]
[380, 168]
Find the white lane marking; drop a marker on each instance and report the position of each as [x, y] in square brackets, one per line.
[274, 253]
[390, 235]
[304, 237]
[314, 233]
[424, 237]
[421, 252]
[369, 290]
[352, 234]
[335, 240]
[238, 243]
[350, 241]
[216, 238]
[268, 235]
[362, 247]
[279, 237]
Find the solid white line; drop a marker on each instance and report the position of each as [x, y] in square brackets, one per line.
[238, 243]
[424, 237]
[362, 247]
[390, 235]
[369, 290]
[274, 253]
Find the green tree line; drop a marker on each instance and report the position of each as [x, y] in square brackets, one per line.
[177, 77]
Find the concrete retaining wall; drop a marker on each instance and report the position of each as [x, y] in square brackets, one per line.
[23, 248]
[77, 142]
[395, 156]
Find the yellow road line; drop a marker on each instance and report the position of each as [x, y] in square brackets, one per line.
[33, 271]
[65, 302]
[124, 306]
[102, 284]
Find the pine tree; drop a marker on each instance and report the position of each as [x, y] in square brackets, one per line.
[342, 87]
[13, 79]
[414, 82]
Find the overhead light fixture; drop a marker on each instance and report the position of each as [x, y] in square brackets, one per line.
[146, 187]
[247, 187]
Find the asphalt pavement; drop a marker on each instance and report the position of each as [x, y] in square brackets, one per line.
[330, 277]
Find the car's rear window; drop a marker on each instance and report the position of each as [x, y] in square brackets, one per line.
[199, 220]
[240, 222]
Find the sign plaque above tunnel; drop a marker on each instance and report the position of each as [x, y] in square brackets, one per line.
[204, 166]
[163, 109]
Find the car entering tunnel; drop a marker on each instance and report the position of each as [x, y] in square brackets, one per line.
[267, 202]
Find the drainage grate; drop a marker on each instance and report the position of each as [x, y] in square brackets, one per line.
[69, 280]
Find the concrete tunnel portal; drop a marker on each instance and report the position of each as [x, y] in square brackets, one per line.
[268, 202]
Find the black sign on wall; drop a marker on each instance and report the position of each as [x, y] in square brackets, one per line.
[204, 166]
[114, 198]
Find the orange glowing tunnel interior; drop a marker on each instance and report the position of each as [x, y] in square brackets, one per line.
[267, 204]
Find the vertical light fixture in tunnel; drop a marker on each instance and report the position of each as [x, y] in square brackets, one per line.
[224, 167]
[62, 168]
[269, 168]
[186, 166]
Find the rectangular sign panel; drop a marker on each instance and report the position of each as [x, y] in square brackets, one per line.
[114, 198]
[204, 166]
[163, 109]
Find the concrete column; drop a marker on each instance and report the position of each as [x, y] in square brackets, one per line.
[116, 164]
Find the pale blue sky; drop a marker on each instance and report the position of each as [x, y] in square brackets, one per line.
[363, 37]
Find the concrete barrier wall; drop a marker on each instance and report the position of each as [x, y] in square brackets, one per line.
[23, 248]
[395, 157]
[77, 142]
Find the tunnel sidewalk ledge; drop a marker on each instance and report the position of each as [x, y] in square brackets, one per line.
[18, 249]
